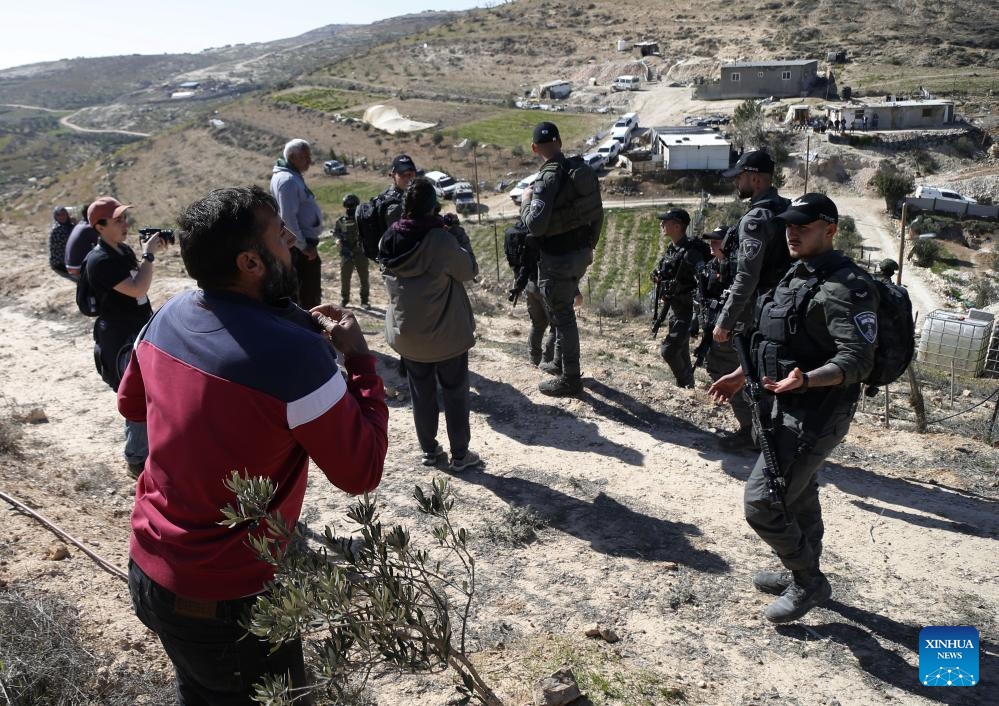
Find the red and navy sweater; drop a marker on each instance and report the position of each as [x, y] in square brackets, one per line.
[227, 383]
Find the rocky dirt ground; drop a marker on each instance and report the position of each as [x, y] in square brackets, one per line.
[642, 529]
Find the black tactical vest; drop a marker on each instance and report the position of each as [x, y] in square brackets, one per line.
[782, 342]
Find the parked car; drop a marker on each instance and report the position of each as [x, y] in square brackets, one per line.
[444, 181]
[610, 150]
[334, 167]
[628, 120]
[517, 191]
[933, 192]
[595, 161]
[464, 198]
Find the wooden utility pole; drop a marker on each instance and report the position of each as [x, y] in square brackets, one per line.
[901, 244]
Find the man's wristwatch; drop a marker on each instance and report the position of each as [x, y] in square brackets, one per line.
[148, 257]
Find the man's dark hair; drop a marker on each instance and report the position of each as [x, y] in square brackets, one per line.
[215, 229]
[83, 211]
[421, 198]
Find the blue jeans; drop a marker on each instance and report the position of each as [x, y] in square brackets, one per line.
[136, 443]
[214, 666]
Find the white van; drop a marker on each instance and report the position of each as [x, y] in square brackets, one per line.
[626, 83]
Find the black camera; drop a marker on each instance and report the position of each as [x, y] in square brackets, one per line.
[165, 235]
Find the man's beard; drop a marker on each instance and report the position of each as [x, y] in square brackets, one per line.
[281, 281]
[743, 194]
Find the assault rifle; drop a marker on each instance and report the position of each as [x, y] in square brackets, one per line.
[763, 429]
[664, 291]
[709, 315]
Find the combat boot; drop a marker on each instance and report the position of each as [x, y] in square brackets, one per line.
[741, 440]
[772, 582]
[808, 590]
[551, 367]
[562, 386]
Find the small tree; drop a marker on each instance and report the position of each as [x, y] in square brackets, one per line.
[892, 186]
[437, 138]
[362, 603]
[747, 124]
[847, 238]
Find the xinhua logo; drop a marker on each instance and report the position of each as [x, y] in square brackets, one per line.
[948, 656]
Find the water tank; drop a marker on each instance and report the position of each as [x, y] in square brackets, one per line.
[622, 45]
[950, 338]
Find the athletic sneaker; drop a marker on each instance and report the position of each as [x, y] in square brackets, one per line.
[432, 458]
[469, 460]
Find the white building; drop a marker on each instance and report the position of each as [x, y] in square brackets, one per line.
[696, 150]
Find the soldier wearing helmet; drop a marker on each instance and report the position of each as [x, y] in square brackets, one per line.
[887, 268]
[351, 253]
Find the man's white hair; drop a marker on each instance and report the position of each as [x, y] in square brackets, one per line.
[295, 146]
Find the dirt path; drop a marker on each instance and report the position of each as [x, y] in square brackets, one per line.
[878, 239]
[643, 523]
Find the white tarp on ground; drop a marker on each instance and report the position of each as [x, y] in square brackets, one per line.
[387, 119]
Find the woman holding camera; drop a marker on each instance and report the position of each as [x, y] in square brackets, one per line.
[429, 323]
[119, 280]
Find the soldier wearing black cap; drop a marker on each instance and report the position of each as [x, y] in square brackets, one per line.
[763, 255]
[815, 344]
[676, 275]
[720, 358]
[564, 212]
[403, 172]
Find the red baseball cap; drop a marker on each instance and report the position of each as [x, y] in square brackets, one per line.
[105, 208]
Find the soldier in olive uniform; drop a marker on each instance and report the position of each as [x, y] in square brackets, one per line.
[720, 359]
[815, 344]
[887, 269]
[564, 212]
[351, 253]
[676, 280]
[763, 255]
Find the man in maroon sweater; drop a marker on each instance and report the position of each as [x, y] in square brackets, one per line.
[212, 379]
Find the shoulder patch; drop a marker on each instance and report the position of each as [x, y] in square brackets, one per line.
[867, 325]
[537, 206]
[751, 247]
[752, 226]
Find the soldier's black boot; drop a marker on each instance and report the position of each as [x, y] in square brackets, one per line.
[772, 582]
[552, 367]
[562, 386]
[808, 590]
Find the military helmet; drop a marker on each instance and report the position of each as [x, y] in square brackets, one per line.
[888, 267]
[351, 201]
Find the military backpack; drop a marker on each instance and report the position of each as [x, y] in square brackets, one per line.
[370, 218]
[896, 331]
[578, 202]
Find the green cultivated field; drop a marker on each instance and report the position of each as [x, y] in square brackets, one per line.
[513, 127]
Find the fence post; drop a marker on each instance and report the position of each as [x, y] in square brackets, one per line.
[953, 381]
[916, 400]
[496, 248]
[887, 408]
[992, 422]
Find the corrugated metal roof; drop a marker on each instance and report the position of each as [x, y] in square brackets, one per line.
[768, 64]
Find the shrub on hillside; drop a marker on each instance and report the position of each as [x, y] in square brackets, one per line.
[847, 238]
[925, 252]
